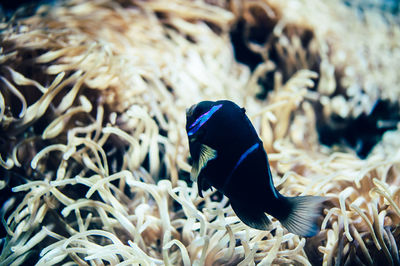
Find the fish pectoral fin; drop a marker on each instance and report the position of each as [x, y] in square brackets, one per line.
[195, 172]
[206, 154]
[252, 217]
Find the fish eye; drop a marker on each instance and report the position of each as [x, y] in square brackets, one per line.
[190, 110]
[196, 110]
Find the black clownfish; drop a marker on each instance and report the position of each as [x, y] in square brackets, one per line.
[228, 155]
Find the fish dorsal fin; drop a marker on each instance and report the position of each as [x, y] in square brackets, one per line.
[206, 154]
[252, 217]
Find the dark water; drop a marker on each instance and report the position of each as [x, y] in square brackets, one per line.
[392, 6]
[361, 133]
[20, 8]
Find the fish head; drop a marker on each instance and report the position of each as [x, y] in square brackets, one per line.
[197, 116]
[196, 110]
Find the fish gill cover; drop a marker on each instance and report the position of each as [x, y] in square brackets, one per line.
[94, 155]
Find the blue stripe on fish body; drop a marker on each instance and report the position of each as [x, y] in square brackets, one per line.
[202, 119]
[245, 154]
[242, 157]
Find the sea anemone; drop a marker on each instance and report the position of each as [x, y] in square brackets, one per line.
[94, 158]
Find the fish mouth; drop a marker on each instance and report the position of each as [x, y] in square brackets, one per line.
[189, 111]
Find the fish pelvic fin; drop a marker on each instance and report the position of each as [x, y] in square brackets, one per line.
[303, 215]
[206, 154]
[252, 217]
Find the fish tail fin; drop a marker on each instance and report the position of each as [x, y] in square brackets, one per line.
[303, 215]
